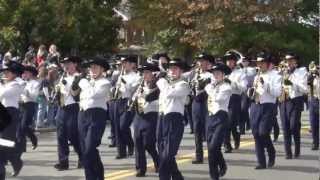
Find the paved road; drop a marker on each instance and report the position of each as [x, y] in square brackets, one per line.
[39, 163]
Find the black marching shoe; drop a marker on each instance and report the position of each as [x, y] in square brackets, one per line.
[2, 176]
[223, 171]
[177, 176]
[271, 162]
[130, 150]
[260, 167]
[17, 169]
[34, 142]
[112, 145]
[197, 161]
[237, 144]
[227, 149]
[315, 147]
[140, 174]
[79, 166]
[289, 156]
[121, 156]
[61, 166]
[156, 168]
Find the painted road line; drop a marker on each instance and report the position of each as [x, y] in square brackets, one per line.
[180, 160]
[184, 158]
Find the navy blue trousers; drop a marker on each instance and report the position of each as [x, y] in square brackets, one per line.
[262, 122]
[111, 114]
[234, 115]
[314, 120]
[123, 120]
[290, 114]
[244, 121]
[13, 155]
[216, 128]
[145, 126]
[199, 114]
[29, 111]
[276, 128]
[92, 123]
[169, 135]
[67, 131]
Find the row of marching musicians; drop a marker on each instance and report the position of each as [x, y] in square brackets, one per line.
[156, 104]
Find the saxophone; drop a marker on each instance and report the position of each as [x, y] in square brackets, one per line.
[134, 100]
[312, 75]
[285, 89]
[252, 92]
[195, 81]
[57, 96]
[116, 94]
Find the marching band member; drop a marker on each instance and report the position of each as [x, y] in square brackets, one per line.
[173, 94]
[249, 72]
[219, 93]
[112, 103]
[10, 93]
[5, 120]
[292, 101]
[314, 95]
[199, 105]
[29, 103]
[276, 128]
[127, 83]
[146, 107]
[67, 115]
[92, 117]
[239, 85]
[266, 88]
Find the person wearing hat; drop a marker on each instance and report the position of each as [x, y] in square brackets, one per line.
[249, 73]
[94, 93]
[314, 95]
[172, 99]
[115, 72]
[219, 93]
[29, 103]
[266, 88]
[10, 93]
[295, 85]
[276, 128]
[5, 121]
[146, 106]
[126, 85]
[239, 85]
[67, 115]
[200, 78]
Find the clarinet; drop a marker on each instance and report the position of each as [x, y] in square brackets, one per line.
[135, 96]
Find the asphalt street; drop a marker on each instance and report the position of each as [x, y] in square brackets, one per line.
[38, 164]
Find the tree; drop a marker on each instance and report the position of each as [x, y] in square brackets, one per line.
[83, 27]
[217, 25]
